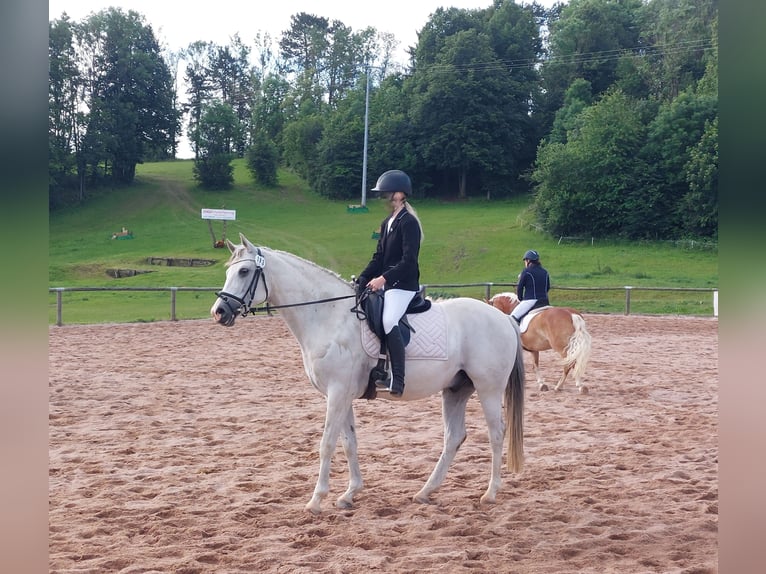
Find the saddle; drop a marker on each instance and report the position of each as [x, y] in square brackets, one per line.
[371, 303]
[372, 309]
[531, 314]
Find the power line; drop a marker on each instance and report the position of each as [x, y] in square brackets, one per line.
[656, 50]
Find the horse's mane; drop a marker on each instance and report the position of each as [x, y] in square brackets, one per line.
[508, 294]
[314, 265]
[240, 251]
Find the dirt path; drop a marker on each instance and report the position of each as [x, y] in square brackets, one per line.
[187, 447]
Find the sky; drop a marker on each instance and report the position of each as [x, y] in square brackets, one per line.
[177, 24]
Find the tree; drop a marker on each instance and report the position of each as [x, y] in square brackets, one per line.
[217, 130]
[468, 115]
[232, 81]
[677, 39]
[131, 104]
[263, 159]
[587, 41]
[671, 136]
[63, 118]
[303, 49]
[268, 114]
[699, 206]
[590, 185]
[300, 141]
[200, 87]
[339, 152]
[577, 98]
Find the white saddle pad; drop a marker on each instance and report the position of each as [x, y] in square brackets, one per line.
[428, 341]
[526, 319]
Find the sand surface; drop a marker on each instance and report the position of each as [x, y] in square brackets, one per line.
[188, 447]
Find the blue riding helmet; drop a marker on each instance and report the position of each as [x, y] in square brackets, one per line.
[532, 255]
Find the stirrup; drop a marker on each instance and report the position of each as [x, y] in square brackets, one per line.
[384, 384]
[388, 386]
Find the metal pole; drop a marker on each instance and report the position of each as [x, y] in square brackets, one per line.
[173, 291]
[364, 152]
[58, 307]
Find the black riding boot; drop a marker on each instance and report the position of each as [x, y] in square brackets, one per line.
[395, 346]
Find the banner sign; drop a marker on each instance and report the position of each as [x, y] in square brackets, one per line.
[226, 214]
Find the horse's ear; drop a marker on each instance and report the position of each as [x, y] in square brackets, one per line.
[230, 245]
[246, 242]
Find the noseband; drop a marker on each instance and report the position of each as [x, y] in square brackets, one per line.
[245, 302]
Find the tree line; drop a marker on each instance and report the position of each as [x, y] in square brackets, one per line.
[605, 110]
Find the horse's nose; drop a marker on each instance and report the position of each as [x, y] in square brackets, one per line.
[224, 315]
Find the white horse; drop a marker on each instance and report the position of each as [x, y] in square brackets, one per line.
[483, 355]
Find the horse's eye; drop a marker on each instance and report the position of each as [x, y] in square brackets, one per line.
[243, 271]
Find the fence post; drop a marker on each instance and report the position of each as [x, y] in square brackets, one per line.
[173, 303]
[487, 287]
[58, 307]
[715, 303]
[627, 299]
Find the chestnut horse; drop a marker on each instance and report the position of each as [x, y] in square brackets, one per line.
[559, 328]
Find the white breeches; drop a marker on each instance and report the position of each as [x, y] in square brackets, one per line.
[394, 306]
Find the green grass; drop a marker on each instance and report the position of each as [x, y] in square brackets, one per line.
[472, 241]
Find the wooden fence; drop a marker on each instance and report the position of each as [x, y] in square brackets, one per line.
[488, 287]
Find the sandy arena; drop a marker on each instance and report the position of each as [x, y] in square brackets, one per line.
[188, 447]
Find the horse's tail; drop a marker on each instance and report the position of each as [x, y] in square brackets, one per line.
[514, 408]
[578, 349]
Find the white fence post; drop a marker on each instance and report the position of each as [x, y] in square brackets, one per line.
[715, 303]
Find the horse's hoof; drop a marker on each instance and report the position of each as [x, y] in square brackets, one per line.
[486, 499]
[583, 390]
[421, 499]
[314, 509]
[543, 387]
[344, 504]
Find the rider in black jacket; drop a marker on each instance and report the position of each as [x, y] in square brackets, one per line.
[534, 284]
[394, 267]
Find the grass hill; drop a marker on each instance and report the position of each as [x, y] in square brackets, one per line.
[472, 241]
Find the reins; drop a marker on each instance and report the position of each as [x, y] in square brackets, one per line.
[268, 307]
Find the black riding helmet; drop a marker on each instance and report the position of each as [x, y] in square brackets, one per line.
[394, 180]
[532, 255]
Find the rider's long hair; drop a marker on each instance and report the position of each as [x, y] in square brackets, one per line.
[414, 214]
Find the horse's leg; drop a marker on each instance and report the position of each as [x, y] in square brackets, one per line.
[335, 420]
[453, 413]
[355, 483]
[540, 383]
[493, 414]
[563, 378]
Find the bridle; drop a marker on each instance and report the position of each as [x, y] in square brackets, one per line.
[244, 303]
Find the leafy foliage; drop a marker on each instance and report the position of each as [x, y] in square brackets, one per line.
[607, 110]
[217, 133]
[263, 160]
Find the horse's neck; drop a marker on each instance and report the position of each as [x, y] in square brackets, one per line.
[292, 280]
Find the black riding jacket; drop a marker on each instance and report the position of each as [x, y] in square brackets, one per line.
[534, 283]
[396, 256]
